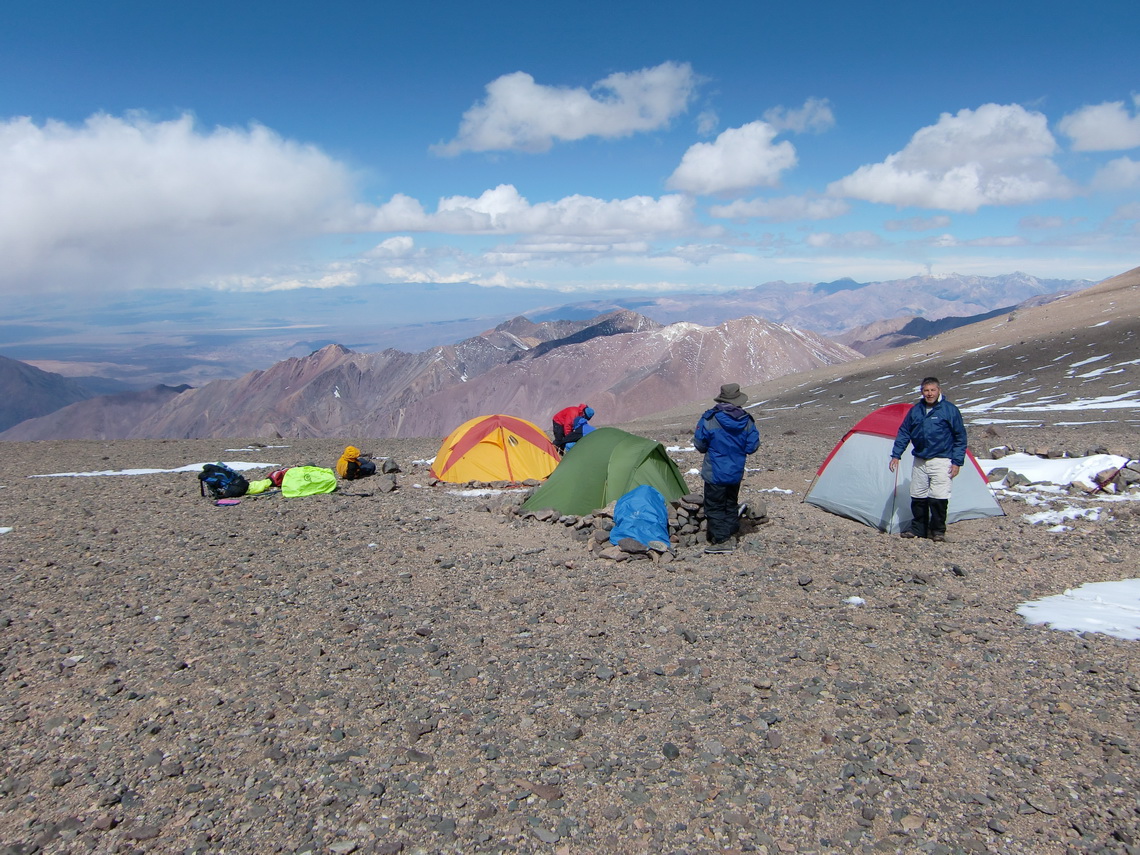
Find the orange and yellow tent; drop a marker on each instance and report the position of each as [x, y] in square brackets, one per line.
[495, 448]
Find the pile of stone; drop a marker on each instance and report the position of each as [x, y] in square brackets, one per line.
[687, 527]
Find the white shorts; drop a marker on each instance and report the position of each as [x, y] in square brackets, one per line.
[930, 479]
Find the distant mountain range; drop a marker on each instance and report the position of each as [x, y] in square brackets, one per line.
[194, 337]
[622, 363]
[832, 308]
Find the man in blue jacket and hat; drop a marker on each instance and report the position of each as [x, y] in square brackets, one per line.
[725, 435]
[935, 428]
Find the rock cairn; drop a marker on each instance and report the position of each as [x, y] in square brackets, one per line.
[687, 527]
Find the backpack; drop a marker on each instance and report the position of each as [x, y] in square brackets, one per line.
[221, 481]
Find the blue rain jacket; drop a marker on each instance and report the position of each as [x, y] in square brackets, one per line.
[725, 435]
[936, 431]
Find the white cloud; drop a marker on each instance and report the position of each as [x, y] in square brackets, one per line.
[1123, 173]
[522, 115]
[997, 240]
[1103, 127]
[738, 159]
[503, 210]
[1131, 211]
[394, 247]
[917, 224]
[782, 210]
[849, 240]
[133, 202]
[1041, 223]
[707, 122]
[814, 116]
[995, 155]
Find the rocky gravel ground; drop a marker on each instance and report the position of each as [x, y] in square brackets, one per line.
[422, 671]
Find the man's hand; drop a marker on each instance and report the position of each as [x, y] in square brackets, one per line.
[954, 467]
[894, 464]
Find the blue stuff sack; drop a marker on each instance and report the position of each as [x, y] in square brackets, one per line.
[641, 514]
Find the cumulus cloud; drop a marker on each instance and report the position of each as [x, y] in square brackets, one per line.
[519, 114]
[1123, 173]
[782, 210]
[995, 155]
[738, 159]
[132, 202]
[503, 210]
[917, 224]
[1104, 127]
[814, 116]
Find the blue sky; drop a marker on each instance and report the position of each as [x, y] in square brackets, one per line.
[578, 146]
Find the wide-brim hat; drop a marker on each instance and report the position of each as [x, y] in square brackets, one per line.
[730, 394]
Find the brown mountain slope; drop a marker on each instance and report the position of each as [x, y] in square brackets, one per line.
[105, 417]
[315, 395]
[28, 392]
[1043, 374]
[624, 364]
[625, 376]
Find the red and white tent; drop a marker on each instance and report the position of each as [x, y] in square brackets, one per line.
[856, 482]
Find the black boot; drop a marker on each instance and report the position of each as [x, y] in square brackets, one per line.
[937, 527]
[920, 510]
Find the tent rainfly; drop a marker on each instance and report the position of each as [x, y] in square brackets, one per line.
[603, 466]
[495, 448]
[855, 482]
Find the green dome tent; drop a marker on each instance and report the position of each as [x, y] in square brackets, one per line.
[603, 466]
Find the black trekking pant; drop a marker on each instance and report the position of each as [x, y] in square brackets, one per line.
[722, 511]
[938, 508]
[920, 510]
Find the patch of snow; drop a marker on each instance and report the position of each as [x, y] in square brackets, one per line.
[5, 529]
[1112, 608]
[236, 465]
[680, 448]
[677, 330]
[1088, 361]
[991, 379]
[1064, 470]
[1057, 517]
[855, 601]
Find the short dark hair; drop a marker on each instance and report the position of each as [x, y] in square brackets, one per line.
[928, 380]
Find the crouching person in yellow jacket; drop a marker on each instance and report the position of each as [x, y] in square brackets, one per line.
[352, 464]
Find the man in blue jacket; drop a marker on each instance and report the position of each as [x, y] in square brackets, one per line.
[725, 435]
[934, 427]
